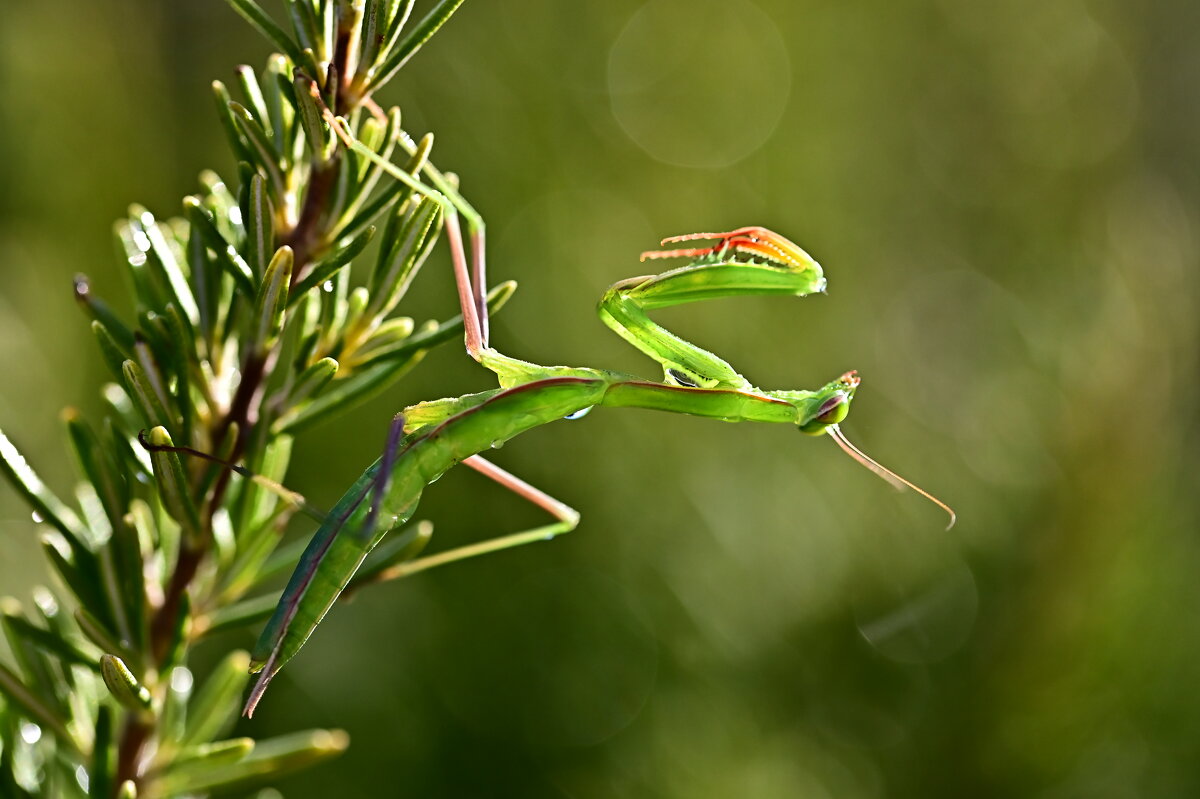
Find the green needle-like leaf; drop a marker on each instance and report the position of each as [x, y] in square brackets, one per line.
[382, 368]
[79, 570]
[392, 195]
[346, 394]
[37, 670]
[132, 246]
[374, 30]
[262, 494]
[165, 262]
[321, 140]
[387, 335]
[173, 485]
[403, 10]
[398, 266]
[192, 764]
[121, 571]
[227, 255]
[312, 381]
[144, 395]
[243, 614]
[328, 35]
[98, 467]
[114, 356]
[408, 46]
[431, 336]
[380, 138]
[260, 227]
[99, 634]
[254, 14]
[215, 708]
[101, 313]
[271, 302]
[304, 23]
[262, 150]
[48, 507]
[100, 775]
[328, 266]
[34, 708]
[52, 643]
[248, 82]
[270, 759]
[279, 112]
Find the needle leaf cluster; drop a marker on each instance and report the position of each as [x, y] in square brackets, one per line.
[246, 328]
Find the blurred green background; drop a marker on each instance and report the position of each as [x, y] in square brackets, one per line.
[1005, 199]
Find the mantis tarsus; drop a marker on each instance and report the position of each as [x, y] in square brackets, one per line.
[429, 438]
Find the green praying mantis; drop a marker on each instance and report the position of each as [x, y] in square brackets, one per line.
[427, 439]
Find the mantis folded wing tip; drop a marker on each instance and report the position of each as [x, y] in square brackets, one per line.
[266, 672]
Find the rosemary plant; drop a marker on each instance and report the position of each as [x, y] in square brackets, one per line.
[246, 331]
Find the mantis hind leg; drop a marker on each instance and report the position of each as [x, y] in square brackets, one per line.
[566, 520]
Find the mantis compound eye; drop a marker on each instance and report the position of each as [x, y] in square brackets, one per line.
[832, 410]
[835, 405]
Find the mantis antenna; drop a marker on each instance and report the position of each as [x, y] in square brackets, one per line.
[896, 480]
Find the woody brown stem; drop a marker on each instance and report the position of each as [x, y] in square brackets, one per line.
[307, 238]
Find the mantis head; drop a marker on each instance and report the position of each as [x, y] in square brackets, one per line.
[826, 407]
[821, 411]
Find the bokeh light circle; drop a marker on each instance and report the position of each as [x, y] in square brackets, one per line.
[699, 95]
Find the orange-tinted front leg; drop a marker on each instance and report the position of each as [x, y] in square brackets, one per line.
[757, 242]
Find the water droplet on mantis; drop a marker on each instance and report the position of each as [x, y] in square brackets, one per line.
[327, 286]
[498, 443]
[579, 414]
[37, 517]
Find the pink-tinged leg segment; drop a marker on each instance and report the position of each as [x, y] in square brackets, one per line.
[565, 517]
[479, 258]
[462, 279]
[522, 489]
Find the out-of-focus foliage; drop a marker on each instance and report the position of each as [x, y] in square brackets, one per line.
[1005, 199]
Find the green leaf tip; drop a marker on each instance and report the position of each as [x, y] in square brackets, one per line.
[272, 299]
[19, 695]
[46, 506]
[125, 687]
[173, 483]
[268, 759]
[254, 14]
